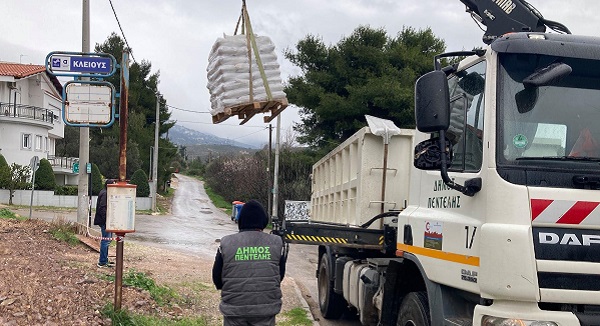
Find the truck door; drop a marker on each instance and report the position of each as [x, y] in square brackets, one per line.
[445, 224]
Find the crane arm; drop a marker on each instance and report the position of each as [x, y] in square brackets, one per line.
[509, 16]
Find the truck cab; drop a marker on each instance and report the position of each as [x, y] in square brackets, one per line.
[502, 224]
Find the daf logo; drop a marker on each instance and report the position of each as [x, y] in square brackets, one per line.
[569, 239]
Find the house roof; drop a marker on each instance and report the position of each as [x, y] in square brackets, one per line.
[19, 70]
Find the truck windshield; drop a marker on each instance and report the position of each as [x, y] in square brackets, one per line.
[551, 126]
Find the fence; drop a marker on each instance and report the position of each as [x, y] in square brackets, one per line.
[48, 198]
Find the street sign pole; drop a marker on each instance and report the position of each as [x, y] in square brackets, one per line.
[123, 115]
[35, 164]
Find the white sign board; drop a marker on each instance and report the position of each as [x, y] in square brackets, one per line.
[88, 103]
[120, 208]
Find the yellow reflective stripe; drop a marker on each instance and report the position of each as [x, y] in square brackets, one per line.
[309, 238]
[438, 254]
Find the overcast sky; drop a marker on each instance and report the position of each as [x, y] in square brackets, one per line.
[177, 35]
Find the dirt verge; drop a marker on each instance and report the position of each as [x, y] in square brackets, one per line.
[44, 281]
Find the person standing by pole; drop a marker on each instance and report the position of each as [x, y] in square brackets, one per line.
[100, 219]
[248, 269]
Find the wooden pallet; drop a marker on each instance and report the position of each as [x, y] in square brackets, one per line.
[247, 110]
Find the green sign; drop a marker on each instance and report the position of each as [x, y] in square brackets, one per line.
[76, 167]
[88, 168]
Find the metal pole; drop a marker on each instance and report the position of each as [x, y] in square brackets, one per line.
[269, 176]
[84, 133]
[119, 272]
[32, 189]
[276, 170]
[155, 159]
[150, 160]
[123, 115]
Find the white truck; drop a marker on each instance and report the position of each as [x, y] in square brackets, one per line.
[487, 214]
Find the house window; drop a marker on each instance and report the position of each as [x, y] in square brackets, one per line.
[46, 144]
[26, 141]
[38, 142]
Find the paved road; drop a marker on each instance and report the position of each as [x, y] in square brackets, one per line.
[195, 225]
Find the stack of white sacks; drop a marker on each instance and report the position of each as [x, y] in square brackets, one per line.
[229, 73]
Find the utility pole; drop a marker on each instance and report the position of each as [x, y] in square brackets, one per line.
[155, 158]
[83, 208]
[276, 172]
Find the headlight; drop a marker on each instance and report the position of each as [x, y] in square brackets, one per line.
[498, 321]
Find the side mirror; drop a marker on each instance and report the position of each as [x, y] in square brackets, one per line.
[432, 102]
[428, 154]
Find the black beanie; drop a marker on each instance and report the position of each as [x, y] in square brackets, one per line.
[252, 216]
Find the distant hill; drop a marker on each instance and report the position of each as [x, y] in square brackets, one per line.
[206, 146]
[183, 136]
[208, 152]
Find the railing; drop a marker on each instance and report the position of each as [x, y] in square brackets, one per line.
[62, 162]
[27, 112]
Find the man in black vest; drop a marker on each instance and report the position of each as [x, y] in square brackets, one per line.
[248, 269]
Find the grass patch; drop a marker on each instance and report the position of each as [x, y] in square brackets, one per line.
[161, 294]
[218, 200]
[125, 318]
[46, 208]
[295, 317]
[8, 214]
[63, 231]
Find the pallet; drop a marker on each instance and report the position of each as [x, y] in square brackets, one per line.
[246, 111]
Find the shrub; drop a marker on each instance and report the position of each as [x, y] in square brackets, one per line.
[140, 179]
[97, 184]
[66, 190]
[44, 176]
[4, 173]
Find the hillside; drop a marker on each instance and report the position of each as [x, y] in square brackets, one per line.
[183, 136]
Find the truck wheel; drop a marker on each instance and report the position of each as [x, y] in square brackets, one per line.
[332, 305]
[414, 310]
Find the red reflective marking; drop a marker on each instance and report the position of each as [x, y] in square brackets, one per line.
[578, 212]
[538, 206]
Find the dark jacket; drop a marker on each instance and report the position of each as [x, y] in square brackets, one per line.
[248, 268]
[101, 202]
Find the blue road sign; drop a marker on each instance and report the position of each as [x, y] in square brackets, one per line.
[80, 64]
[97, 65]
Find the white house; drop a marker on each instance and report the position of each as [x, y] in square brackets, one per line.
[31, 119]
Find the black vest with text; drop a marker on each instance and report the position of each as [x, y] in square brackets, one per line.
[251, 280]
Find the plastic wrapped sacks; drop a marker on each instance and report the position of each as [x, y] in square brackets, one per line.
[229, 75]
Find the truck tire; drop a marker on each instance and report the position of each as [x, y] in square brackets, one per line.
[332, 305]
[414, 310]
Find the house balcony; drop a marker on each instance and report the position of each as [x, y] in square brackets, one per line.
[63, 165]
[20, 113]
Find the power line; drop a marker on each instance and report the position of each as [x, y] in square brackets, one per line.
[176, 108]
[252, 133]
[122, 33]
[212, 124]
